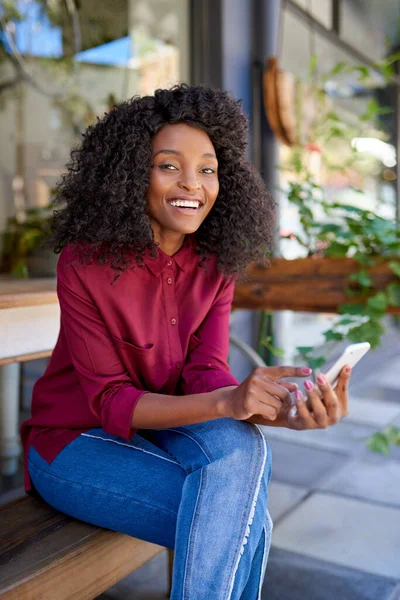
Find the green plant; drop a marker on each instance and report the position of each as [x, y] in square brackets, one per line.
[21, 239]
[383, 440]
[334, 229]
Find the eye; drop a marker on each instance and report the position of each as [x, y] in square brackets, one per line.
[167, 167]
[208, 171]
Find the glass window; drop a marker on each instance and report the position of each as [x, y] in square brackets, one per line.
[320, 9]
[79, 65]
[370, 26]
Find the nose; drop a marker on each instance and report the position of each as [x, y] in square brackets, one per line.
[189, 182]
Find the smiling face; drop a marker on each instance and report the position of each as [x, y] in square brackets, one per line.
[183, 183]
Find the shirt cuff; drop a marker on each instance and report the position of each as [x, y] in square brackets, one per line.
[118, 421]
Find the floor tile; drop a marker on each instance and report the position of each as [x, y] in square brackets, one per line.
[381, 393]
[344, 531]
[344, 437]
[373, 477]
[300, 465]
[389, 375]
[372, 412]
[282, 497]
[292, 576]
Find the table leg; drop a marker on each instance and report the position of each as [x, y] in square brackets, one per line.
[10, 446]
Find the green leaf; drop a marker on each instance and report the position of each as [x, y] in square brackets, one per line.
[363, 259]
[278, 352]
[304, 349]
[393, 435]
[20, 270]
[379, 443]
[316, 362]
[332, 335]
[345, 322]
[339, 68]
[378, 303]
[394, 266]
[363, 70]
[363, 278]
[351, 309]
[393, 293]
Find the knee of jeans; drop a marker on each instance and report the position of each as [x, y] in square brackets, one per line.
[244, 440]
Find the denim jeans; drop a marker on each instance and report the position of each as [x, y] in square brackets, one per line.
[199, 489]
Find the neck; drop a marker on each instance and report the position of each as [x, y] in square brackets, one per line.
[169, 242]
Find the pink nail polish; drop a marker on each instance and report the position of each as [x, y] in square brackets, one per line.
[321, 379]
[298, 395]
[306, 371]
[308, 385]
[348, 370]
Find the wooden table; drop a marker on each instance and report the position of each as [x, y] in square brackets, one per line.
[29, 326]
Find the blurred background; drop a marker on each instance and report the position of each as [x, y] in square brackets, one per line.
[64, 63]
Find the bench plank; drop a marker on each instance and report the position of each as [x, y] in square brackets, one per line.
[42, 550]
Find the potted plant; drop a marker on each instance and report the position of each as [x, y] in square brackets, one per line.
[23, 252]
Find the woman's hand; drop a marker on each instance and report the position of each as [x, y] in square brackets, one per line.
[261, 393]
[324, 406]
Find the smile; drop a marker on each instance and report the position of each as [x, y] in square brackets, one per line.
[186, 204]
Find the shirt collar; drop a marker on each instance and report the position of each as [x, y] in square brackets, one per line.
[161, 260]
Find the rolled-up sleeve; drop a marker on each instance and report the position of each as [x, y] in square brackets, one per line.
[206, 367]
[111, 395]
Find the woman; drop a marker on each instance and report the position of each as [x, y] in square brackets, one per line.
[138, 424]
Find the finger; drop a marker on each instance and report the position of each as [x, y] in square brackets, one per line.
[270, 387]
[276, 373]
[300, 418]
[342, 389]
[291, 387]
[267, 399]
[279, 391]
[330, 400]
[317, 406]
[266, 408]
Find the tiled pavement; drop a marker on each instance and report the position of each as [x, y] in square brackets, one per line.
[336, 505]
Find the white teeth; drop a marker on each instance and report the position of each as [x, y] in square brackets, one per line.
[186, 203]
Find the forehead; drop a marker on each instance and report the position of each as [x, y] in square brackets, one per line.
[181, 137]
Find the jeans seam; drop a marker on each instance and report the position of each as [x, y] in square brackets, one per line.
[262, 563]
[252, 511]
[98, 437]
[192, 530]
[97, 489]
[193, 440]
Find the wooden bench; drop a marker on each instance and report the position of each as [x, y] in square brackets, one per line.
[46, 555]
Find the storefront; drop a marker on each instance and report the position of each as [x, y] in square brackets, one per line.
[68, 63]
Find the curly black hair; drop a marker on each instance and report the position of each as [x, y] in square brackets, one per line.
[103, 191]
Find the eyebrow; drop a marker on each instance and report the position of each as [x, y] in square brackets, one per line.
[177, 153]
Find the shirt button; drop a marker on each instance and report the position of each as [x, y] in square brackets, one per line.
[178, 365]
[169, 263]
[173, 321]
[169, 280]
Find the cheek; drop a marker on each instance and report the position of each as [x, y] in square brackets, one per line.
[212, 190]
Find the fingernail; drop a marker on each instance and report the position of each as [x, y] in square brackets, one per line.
[308, 385]
[321, 379]
[293, 412]
[348, 370]
[306, 371]
[298, 395]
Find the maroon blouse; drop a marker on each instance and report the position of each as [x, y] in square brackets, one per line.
[162, 327]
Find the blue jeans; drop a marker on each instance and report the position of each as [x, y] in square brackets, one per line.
[199, 489]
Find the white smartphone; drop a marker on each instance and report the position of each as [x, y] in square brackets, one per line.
[351, 355]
